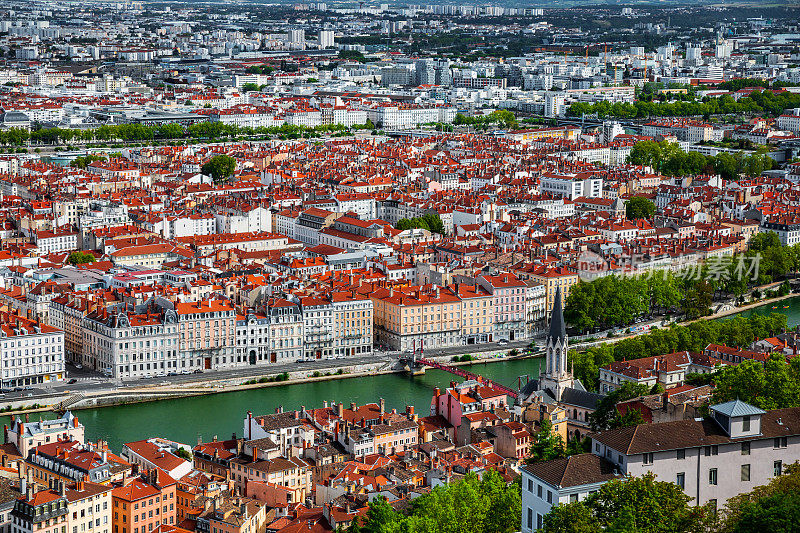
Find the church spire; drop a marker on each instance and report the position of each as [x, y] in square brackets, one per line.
[558, 330]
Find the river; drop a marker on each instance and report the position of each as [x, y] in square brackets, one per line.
[201, 417]
[187, 419]
[792, 312]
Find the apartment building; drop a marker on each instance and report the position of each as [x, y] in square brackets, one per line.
[40, 512]
[28, 435]
[206, 330]
[89, 505]
[286, 430]
[32, 353]
[415, 318]
[737, 448]
[128, 345]
[508, 294]
[292, 472]
[560, 481]
[144, 503]
[71, 461]
[157, 453]
[353, 315]
[238, 515]
[477, 313]
[554, 278]
[571, 186]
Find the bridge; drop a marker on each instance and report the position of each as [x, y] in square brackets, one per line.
[466, 374]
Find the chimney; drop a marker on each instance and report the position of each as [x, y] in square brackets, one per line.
[353, 406]
[382, 405]
[340, 410]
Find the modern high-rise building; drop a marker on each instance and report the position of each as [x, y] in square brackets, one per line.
[325, 39]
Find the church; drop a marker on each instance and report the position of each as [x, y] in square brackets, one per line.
[556, 387]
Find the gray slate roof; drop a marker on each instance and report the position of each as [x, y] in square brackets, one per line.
[737, 408]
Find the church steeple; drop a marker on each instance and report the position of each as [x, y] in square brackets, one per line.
[556, 376]
[558, 330]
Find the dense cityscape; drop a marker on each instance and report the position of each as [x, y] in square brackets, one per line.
[586, 217]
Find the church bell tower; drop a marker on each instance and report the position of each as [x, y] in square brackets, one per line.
[556, 377]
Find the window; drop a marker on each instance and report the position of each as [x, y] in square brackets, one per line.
[711, 450]
[647, 458]
[712, 476]
[745, 448]
[712, 503]
[681, 454]
[777, 468]
[530, 518]
[539, 491]
[573, 498]
[680, 480]
[746, 423]
[530, 486]
[746, 472]
[549, 497]
[779, 442]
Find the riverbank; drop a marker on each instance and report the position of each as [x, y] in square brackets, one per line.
[185, 419]
[127, 395]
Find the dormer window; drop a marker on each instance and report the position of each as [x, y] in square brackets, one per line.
[746, 423]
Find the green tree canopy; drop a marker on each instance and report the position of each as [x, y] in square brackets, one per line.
[606, 415]
[431, 222]
[219, 167]
[83, 161]
[546, 444]
[80, 258]
[476, 504]
[633, 504]
[639, 207]
[773, 385]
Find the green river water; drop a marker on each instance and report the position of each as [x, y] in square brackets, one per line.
[187, 419]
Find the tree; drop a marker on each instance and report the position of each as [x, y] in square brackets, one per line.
[80, 258]
[606, 415]
[773, 385]
[83, 161]
[639, 207]
[632, 504]
[546, 444]
[571, 518]
[431, 222]
[183, 453]
[219, 167]
[484, 504]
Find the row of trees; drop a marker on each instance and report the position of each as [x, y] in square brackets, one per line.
[476, 504]
[431, 222]
[773, 385]
[140, 132]
[620, 300]
[668, 159]
[501, 117]
[738, 332]
[613, 301]
[758, 102]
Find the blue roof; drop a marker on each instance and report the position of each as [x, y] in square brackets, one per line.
[737, 408]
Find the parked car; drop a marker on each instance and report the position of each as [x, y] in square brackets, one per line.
[73, 380]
